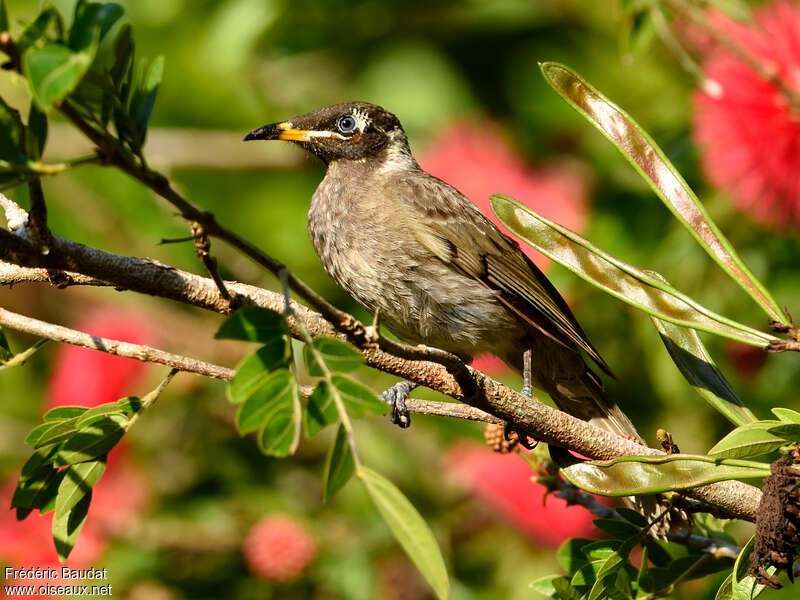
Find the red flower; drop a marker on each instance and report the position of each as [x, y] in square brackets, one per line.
[479, 161]
[503, 481]
[747, 129]
[278, 548]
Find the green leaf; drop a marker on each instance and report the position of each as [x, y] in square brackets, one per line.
[621, 280]
[409, 529]
[660, 580]
[53, 71]
[612, 564]
[67, 526]
[92, 21]
[725, 590]
[37, 29]
[587, 574]
[5, 350]
[277, 388]
[90, 442]
[145, 98]
[3, 16]
[636, 475]
[600, 549]
[619, 530]
[256, 368]
[130, 405]
[787, 415]
[36, 433]
[358, 399]
[253, 324]
[273, 410]
[652, 164]
[790, 432]
[123, 57]
[37, 484]
[753, 439]
[632, 516]
[36, 133]
[339, 465]
[100, 412]
[60, 431]
[570, 556]
[77, 482]
[337, 355]
[320, 410]
[280, 435]
[744, 586]
[698, 368]
[60, 413]
[555, 586]
[10, 141]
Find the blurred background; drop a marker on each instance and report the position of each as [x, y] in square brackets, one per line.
[187, 509]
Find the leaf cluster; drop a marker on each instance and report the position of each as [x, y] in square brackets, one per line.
[70, 451]
[603, 569]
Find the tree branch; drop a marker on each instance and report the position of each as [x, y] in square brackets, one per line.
[115, 347]
[470, 386]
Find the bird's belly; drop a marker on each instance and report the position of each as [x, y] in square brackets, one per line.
[419, 298]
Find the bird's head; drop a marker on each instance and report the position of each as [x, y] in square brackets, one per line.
[349, 131]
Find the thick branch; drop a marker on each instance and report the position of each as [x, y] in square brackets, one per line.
[538, 420]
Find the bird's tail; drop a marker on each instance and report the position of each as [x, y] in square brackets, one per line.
[578, 391]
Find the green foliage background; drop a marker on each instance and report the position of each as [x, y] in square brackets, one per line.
[236, 64]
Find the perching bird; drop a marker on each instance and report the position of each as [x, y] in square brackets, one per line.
[436, 270]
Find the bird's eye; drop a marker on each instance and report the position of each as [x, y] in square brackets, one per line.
[346, 124]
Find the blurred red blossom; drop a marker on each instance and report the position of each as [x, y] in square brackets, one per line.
[503, 481]
[86, 377]
[479, 161]
[748, 131]
[748, 360]
[278, 548]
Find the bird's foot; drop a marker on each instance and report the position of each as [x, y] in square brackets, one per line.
[521, 436]
[396, 397]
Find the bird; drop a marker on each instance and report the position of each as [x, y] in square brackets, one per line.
[414, 250]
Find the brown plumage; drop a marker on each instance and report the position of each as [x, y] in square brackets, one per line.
[413, 248]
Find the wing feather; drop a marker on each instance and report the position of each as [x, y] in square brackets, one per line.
[458, 233]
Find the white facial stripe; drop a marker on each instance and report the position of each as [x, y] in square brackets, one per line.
[325, 134]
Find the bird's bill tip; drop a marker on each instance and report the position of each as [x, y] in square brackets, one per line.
[285, 131]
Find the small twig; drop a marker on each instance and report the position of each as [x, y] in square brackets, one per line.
[450, 409]
[776, 346]
[714, 547]
[20, 358]
[203, 248]
[149, 399]
[37, 216]
[118, 348]
[178, 240]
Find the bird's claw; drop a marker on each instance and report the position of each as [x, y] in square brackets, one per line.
[522, 438]
[396, 397]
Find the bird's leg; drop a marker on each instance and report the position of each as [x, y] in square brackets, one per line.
[396, 397]
[526, 391]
